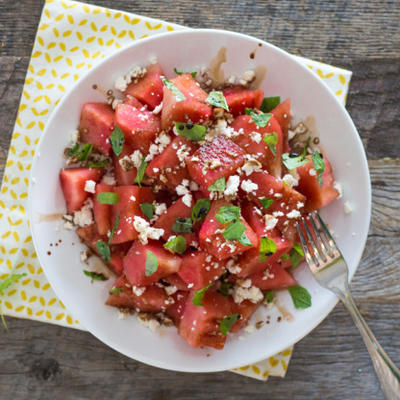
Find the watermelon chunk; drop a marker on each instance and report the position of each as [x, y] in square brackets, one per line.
[199, 268]
[274, 278]
[123, 177]
[282, 113]
[135, 263]
[177, 308]
[239, 98]
[246, 308]
[139, 126]
[252, 142]
[316, 196]
[249, 261]
[199, 325]
[102, 212]
[212, 239]
[176, 280]
[128, 206]
[73, 182]
[153, 299]
[96, 126]
[193, 109]
[168, 164]
[132, 101]
[149, 89]
[177, 210]
[218, 159]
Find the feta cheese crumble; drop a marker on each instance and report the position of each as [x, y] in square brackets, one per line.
[84, 216]
[90, 186]
[249, 186]
[134, 74]
[348, 209]
[339, 188]
[244, 291]
[232, 185]
[290, 180]
[270, 222]
[145, 231]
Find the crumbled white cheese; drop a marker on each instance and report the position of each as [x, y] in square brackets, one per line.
[233, 268]
[290, 180]
[108, 179]
[170, 290]
[138, 290]
[312, 172]
[277, 214]
[161, 142]
[159, 208]
[249, 328]
[145, 230]
[182, 152]
[247, 77]
[187, 200]
[249, 186]
[348, 209]
[193, 186]
[84, 256]
[293, 214]
[150, 323]
[122, 315]
[90, 186]
[244, 291]
[255, 137]
[181, 190]
[84, 216]
[135, 73]
[158, 109]
[75, 137]
[251, 165]
[339, 188]
[299, 205]
[270, 222]
[232, 185]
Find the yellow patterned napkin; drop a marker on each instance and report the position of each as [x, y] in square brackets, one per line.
[73, 37]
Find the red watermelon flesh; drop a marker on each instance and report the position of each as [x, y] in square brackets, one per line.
[135, 263]
[176, 280]
[128, 206]
[274, 278]
[282, 113]
[96, 126]
[252, 142]
[199, 268]
[140, 126]
[132, 101]
[218, 159]
[239, 98]
[212, 240]
[123, 177]
[317, 196]
[149, 89]
[177, 308]
[192, 109]
[153, 299]
[73, 182]
[102, 212]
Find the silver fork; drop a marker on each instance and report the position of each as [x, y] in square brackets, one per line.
[330, 270]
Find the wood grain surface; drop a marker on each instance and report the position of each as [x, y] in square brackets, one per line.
[39, 361]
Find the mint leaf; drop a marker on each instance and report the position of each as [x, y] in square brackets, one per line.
[296, 254]
[117, 140]
[259, 119]
[140, 172]
[234, 231]
[269, 103]
[224, 288]
[301, 297]
[107, 198]
[151, 264]
[266, 203]
[116, 290]
[100, 164]
[147, 209]
[244, 239]
[180, 73]
[200, 210]
[269, 295]
[267, 248]
[190, 131]
[96, 276]
[171, 87]
[227, 214]
[217, 99]
[218, 186]
[114, 228]
[199, 295]
[104, 250]
[226, 324]
[81, 152]
[182, 225]
[292, 161]
[271, 140]
[8, 281]
[177, 244]
[319, 166]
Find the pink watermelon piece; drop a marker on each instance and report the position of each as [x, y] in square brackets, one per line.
[102, 212]
[282, 113]
[124, 178]
[274, 278]
[239, 98]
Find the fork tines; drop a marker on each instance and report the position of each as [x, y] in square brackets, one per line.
[317, 242]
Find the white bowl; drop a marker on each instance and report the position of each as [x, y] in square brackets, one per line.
[285, 77]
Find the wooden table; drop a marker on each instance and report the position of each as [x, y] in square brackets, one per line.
[39, 361]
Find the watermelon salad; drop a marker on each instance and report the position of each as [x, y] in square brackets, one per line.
[190, 194]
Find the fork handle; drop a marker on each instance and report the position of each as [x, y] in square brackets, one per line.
[388, 374]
